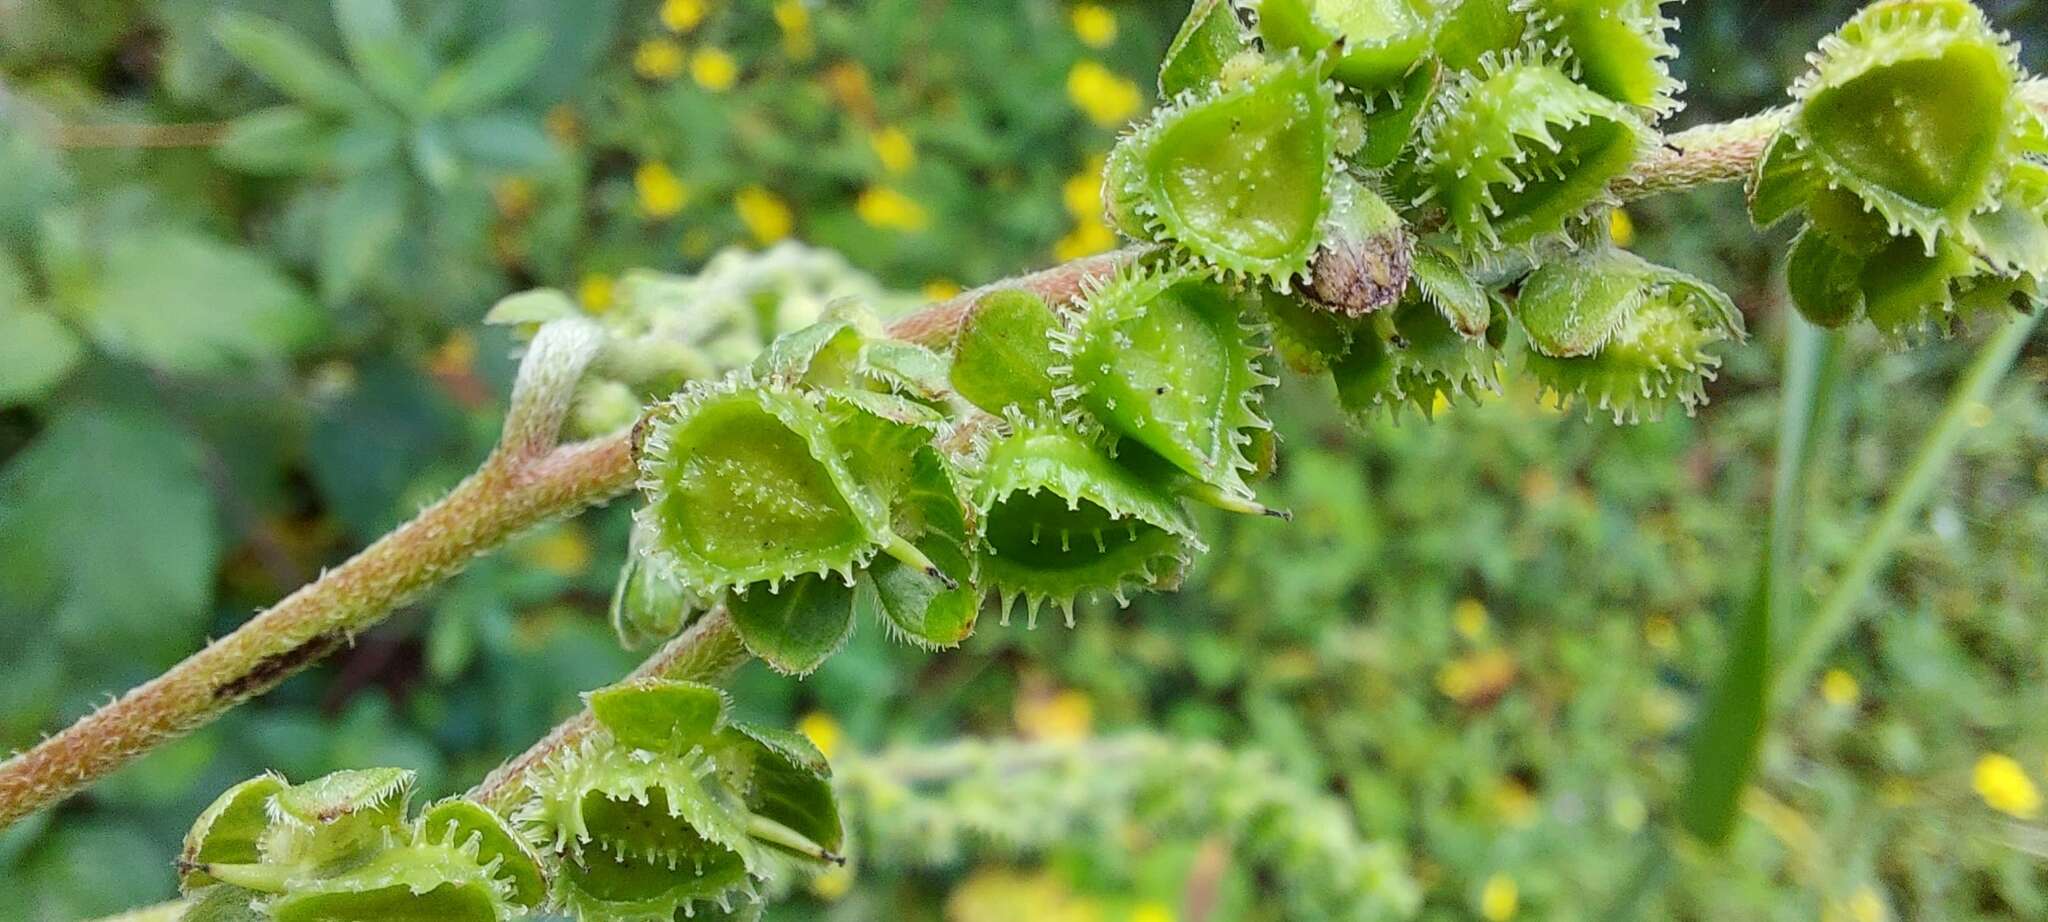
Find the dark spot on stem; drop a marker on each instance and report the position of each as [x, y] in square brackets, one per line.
[274, 668]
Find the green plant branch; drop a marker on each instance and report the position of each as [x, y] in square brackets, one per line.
[528, 481]
[1818, 634]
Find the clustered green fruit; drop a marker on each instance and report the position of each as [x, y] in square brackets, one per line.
[1918, 168]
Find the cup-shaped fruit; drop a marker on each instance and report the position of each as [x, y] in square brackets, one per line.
[1625, 335]
[744, 484]
[649, 603]
[334, 819]
[1207, 40]
[1412, 356]
[1058, 518]
[668, 716]
[1002, 352]
[417, 882]
[1163, 356]
[1522, 150]
[1617, 48]
[930, 610]
[1372, 43]
[480, 833]
[230, 831]
[1238, 176]
[1912, 105]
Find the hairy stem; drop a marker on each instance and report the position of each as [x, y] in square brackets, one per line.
[705, 652]
[525, 484]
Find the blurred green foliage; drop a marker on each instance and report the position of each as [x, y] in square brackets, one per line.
[244, 248]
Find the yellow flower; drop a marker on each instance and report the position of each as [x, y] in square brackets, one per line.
[940, 289]
[1083, 191]
[1500, 898]
[714, 70]
[795, 21]
[823, 731]
[1513, 802]
[1062, 716]
[894, 149]
[888, 209]
[1089, 238]
[1106, 98]
[1152, 911]
[764, 213]
[562, 551]
[1661, 633]
[1622, 228]
[1838, 688]
[658, 59]
[1094, 24]
[661, 194]
[1469, 616]
[2005, 787]
[682, 15]
[595, 291]
[1867, 906]
[1478, 677]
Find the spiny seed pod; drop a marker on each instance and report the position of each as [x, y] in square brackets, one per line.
[745, 484]
[663, 716]
[649, 604]
[1238, 177]
[1912, 105]
[1363, 264]
[1900, 287]
[1393, 115]
[1058, 517]
[1162, 356]
[930, 611]
[1002, 353]
[1207, 40]
[1617, 48]
[1623, 334]
[795, 625]
[1474, 30]
[1305, 336]
[1374, 43]
[2013, 237]
[1430, 349]
[339, 848]
[1521, 150]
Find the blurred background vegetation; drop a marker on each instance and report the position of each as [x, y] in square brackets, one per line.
[239, 338]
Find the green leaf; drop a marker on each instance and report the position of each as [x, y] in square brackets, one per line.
[387, 54]
[363, 219]
[1210, 36]
[490, 75]
[278, 141]
[1003, 350]
[502, 139]
[36, 352]
[107, 524]
[539, 305]
[1724, 746]
[659, 715]
[223, 903]
[287, 61]
[183, 302]
[792, 787]
[799, 626]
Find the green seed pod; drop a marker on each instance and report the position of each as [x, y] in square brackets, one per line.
[1162, 356]
[1305, 336]
[905, 368]
[476, 830]
[745, 485]
[1521, 150]
[664, 716]
[1476, 30]
[1412, 356]
[1208, 39]
[796, 625]
[407, 883]
[792, 807]
[1374, 43]
[1616, 48]
[1002, 351]
[2013, 238]
[649, 604]
[336, 818]
[229, 831]
[1393, 115]
[1238, 177]
[1059, 518]
[1623, 334]
[1912, 106]
[824, 354]
[917, 606]
[1785, 179]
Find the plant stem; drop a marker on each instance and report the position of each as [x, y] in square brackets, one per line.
[515, 491]
[1835, 615]
[705, 652]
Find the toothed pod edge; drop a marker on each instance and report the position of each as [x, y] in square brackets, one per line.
[1239, 176]
[1617, 48]
[1058, 517]
[1913, 106]
[1372, 43]
[1625, 335]
[1163, 355]
[1520, 151]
